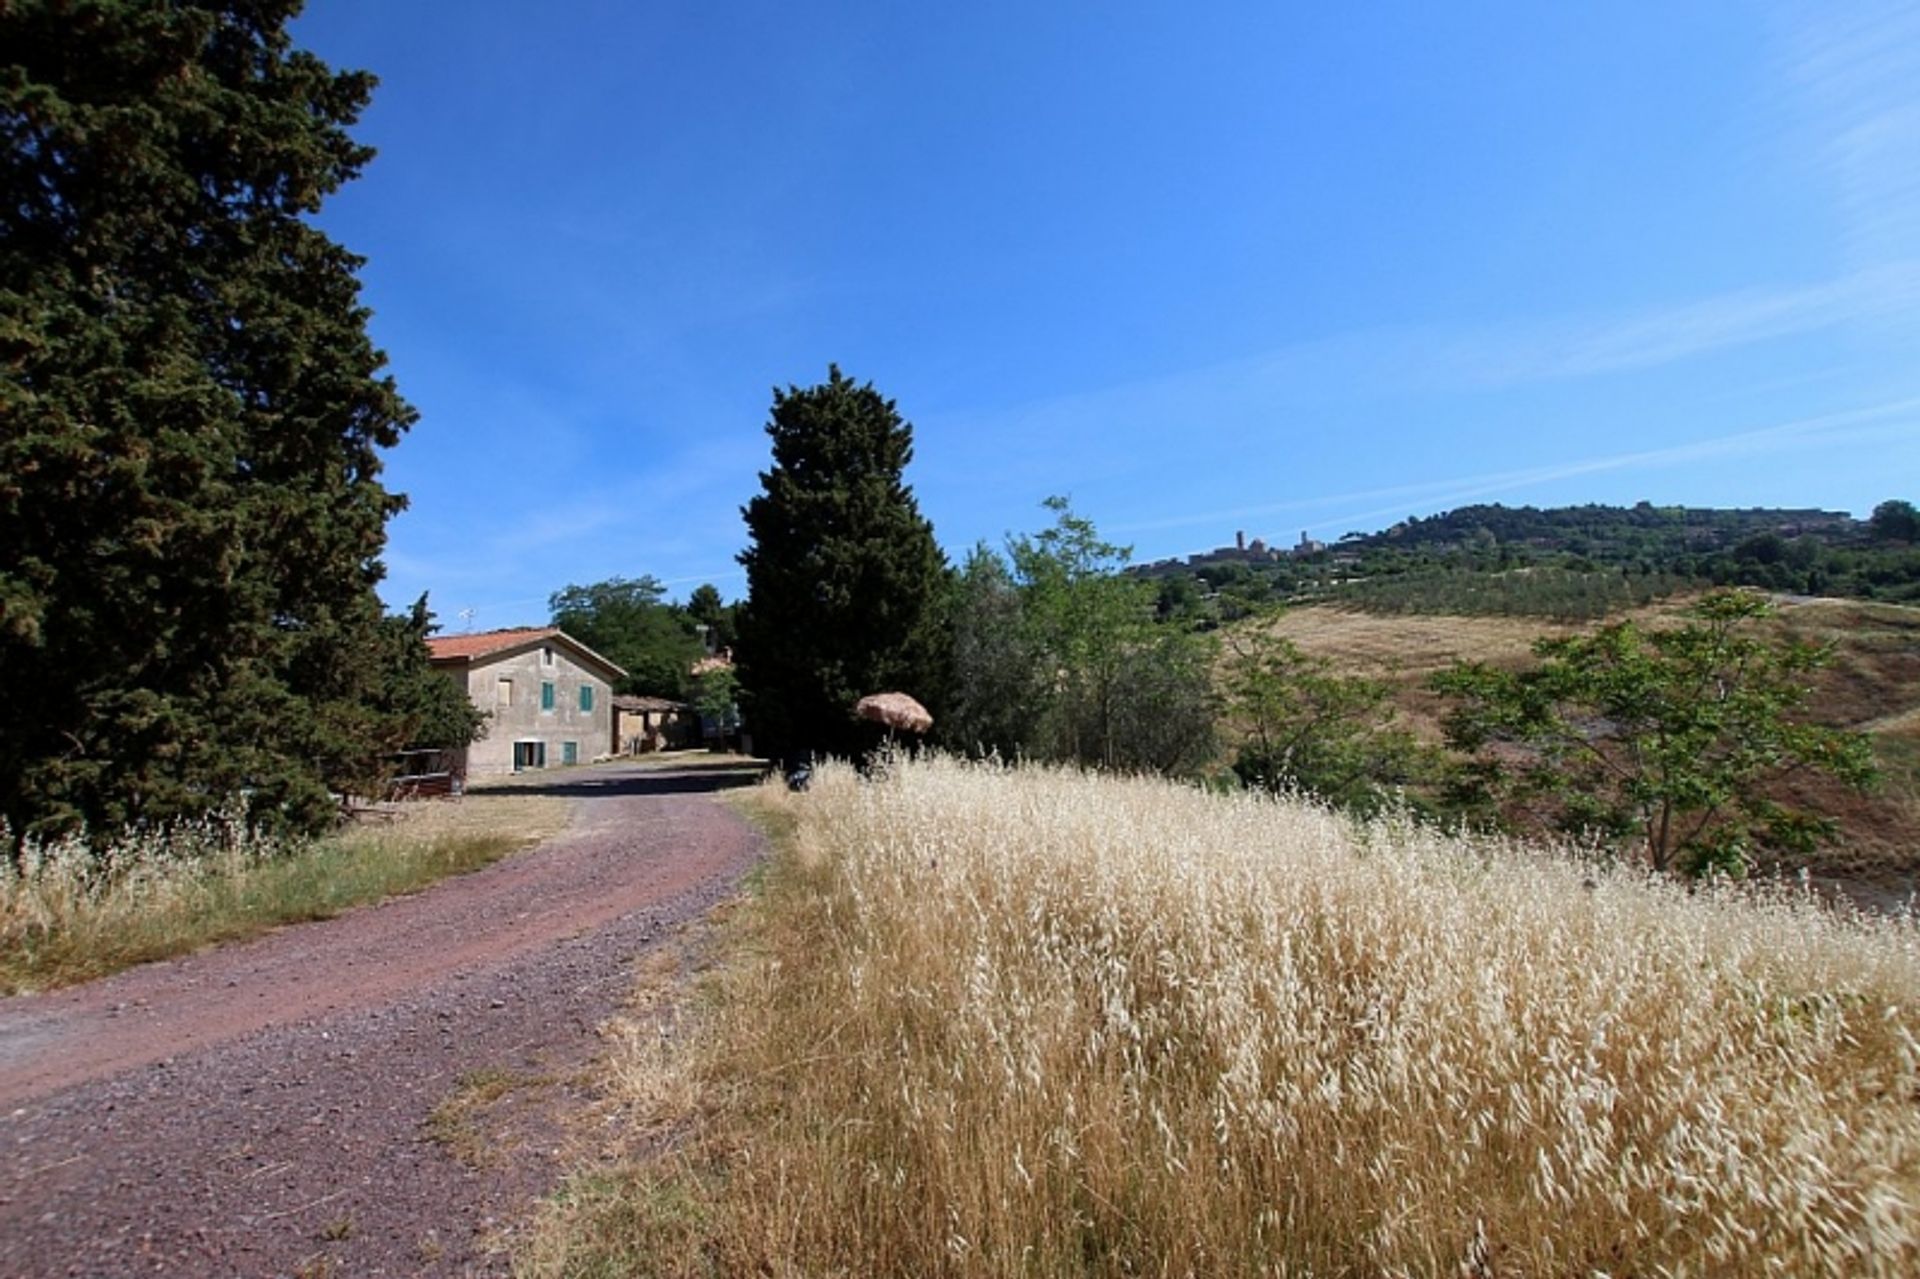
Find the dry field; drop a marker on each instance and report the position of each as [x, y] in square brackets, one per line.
[1873, 686]
[1404, 649]
[989, 1023]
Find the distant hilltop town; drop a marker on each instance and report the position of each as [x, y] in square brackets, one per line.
[1241, 552]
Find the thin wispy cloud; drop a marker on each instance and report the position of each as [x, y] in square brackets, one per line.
[1892, 420]
[1855, 69]
[1854, 427]
[1574, 349]
[1290, 382]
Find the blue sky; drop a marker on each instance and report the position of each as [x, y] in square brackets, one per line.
[1261, 266]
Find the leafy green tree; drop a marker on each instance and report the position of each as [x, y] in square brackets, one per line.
[1312, 730]
[715, 694]
[625, 621]
[1666, 739]
[996, 679]
[1180, 601]
[190, 422]
[1165, 718]
[844, 578]
[1117, 691]
[707, 609]
[1082, 614]
[1897, 521]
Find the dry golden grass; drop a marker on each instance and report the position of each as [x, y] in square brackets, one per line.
[66, 915]
[1873, 686]
[1377, 644]
[1404, 649]
[986, 1023]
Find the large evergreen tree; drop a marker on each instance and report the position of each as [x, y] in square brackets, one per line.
[844, 578]
[190, 515]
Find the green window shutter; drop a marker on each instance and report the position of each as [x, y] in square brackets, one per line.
[569, 752]
[586, 697]
[546, 697]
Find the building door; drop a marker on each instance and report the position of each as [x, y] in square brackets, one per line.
[529, 755]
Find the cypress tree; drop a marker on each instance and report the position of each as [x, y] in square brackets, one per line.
[844, 578]
[190, 509]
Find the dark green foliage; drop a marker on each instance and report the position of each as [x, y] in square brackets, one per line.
[844, 579]
[1576, 563]
[404, 701]
[436, 710]
[996, 676]
[706, 608]
[1311, 730]
[1667, 740]
[190, 423]
[625, 621]
[1058, 656]
[1896, 521]
[1163, 716]
[1800, 551]
[1607, 533]
[715, 694]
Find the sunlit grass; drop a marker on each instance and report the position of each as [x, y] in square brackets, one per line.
[69, 913]
[983, 1022]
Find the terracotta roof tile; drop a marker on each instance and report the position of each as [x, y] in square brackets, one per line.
[447, 648]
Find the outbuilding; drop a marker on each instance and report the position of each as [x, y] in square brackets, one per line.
[643, 724]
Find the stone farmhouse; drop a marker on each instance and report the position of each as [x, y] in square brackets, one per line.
[548, 697]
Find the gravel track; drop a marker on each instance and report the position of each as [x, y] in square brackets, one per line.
[266, 1108]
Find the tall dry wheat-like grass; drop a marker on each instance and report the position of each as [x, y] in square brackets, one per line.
[1030, 1022]
[69, 912]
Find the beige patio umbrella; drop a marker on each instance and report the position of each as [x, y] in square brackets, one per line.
[895, 710]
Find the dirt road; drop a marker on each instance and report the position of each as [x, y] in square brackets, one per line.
[270, 1108]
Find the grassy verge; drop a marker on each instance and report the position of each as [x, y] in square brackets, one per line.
[65, 917]
[981, 1023]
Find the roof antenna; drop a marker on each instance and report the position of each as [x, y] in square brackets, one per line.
[467, 615]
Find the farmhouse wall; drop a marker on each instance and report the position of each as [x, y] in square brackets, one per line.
[509, 690]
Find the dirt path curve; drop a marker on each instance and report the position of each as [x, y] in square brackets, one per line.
[263, 1109]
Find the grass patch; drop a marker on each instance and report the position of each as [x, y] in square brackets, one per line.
[455, 1122]
[981, 1022]
[67, 915]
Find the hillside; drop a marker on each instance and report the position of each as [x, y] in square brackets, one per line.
[1873, 686]
[1613, 533]
[1574, 563]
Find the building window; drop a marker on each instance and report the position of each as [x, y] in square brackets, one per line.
[586, 697]
[503, 692]
[546, 656]
[546, 696]
[569, 752]
[529, 755]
